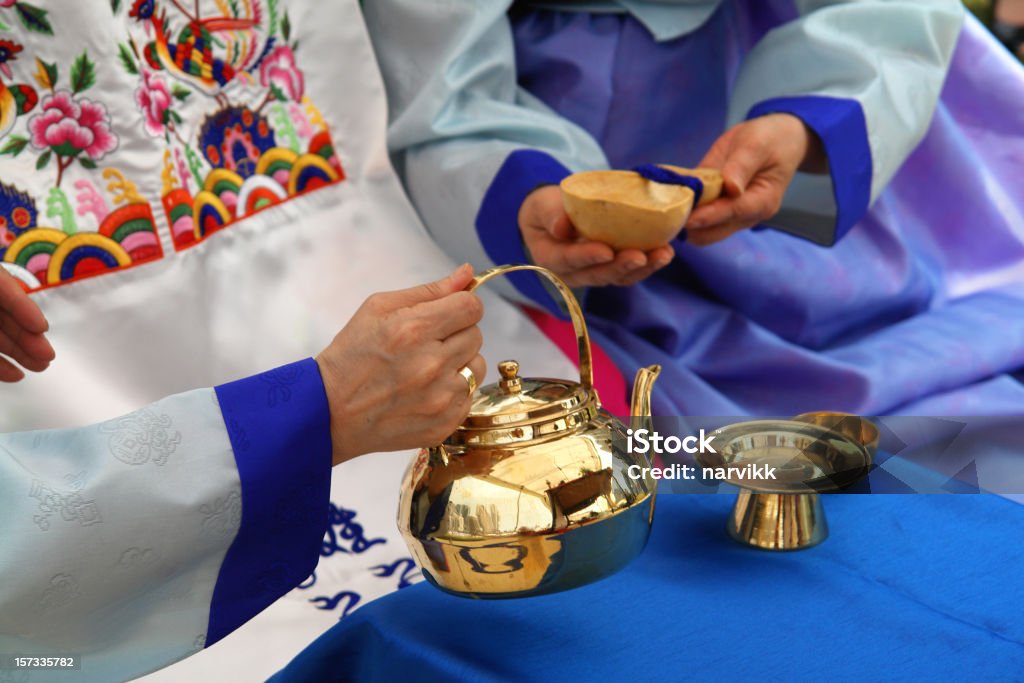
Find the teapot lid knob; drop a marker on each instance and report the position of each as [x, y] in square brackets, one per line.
[509, 370]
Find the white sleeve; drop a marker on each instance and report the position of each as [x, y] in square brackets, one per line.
[126, 544]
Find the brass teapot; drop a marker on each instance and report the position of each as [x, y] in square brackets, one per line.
[533, 493]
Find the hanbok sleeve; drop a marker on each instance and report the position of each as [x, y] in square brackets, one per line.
[866, 77]
[469, 143]
[136, 542]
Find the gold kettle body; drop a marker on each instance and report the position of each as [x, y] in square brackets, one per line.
[536, 492]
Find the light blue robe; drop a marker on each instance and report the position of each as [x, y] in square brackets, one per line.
[136, 542]
[892, 318]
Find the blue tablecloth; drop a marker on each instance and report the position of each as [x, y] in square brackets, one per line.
[905, 588]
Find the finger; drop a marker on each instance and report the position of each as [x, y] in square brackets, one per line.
[445, 317]
[544, 210]
[459, 349]
[21, 308]
[478, 366]
[752, 208]
[12, 350]
[565, 257]
[656, 260]
[626, 262]
[719, 151]
[562, 228]
[9, 372]
[458, 280]
[760, 202]
[703, 238]
[34, 345]
[718, 212]
[742, 164]
[661, 256]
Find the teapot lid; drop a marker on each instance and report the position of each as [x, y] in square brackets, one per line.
[515, 410]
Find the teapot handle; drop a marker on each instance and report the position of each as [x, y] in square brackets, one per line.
[575, 312]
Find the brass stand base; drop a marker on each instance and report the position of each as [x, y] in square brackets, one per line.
[778, 521]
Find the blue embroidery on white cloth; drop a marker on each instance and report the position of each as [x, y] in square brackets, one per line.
[347, 530]
[348, 537]
[329, 603]
[409, 572]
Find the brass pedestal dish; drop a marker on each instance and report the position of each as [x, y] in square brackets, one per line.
[532, 494]
[813, 453]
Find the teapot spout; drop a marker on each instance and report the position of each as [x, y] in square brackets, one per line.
[642, 387]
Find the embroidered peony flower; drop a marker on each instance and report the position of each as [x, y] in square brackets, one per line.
[279, 69]
[71, 127]
[153, 98]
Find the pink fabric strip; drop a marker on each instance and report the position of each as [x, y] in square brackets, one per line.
[608, 380]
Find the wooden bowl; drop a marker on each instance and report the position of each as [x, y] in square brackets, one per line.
[626, 211]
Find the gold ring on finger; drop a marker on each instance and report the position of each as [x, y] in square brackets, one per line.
[470, 378]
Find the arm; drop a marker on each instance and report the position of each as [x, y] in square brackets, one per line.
[138, 541]
[469, 143]
[865, 78]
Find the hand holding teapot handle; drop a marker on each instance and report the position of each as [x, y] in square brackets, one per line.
[396, 374]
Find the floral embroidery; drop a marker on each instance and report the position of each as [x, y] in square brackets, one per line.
[259, 146]
[218, 81]
[138, 437]
[279, 71]
[154, 99]
[67, 127]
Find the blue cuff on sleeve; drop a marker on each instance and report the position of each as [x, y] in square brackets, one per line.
[497, 222]
[843, 130]
[279, 426]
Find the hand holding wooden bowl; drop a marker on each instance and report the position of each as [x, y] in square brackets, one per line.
[626, 211]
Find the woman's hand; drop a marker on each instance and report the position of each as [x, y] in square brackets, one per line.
[758, 159]
[392, 374]
[22, 332]
[553, 243]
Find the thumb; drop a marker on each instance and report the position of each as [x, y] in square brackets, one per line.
[718, 153]
[547, 213]
[741, 166]
[560, 227]
[438, 289]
